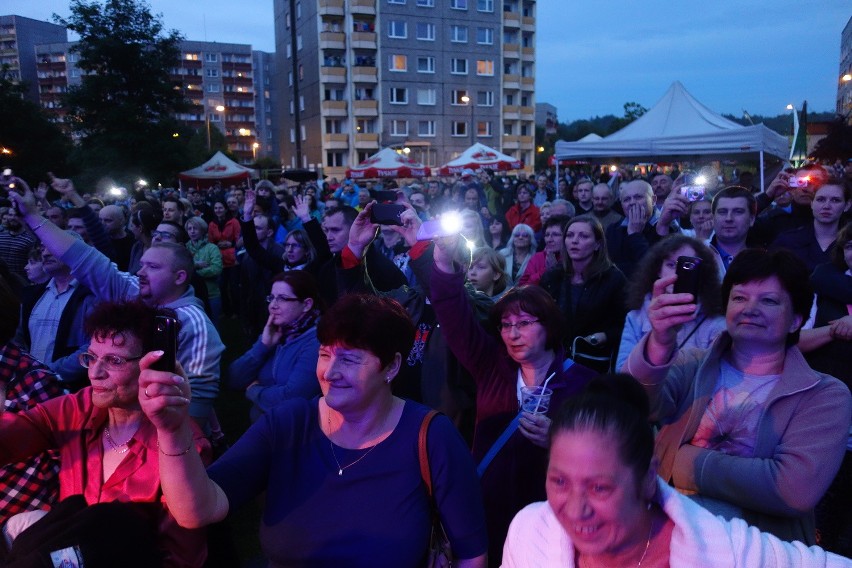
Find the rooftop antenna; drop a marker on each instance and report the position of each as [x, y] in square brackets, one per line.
[748, 117]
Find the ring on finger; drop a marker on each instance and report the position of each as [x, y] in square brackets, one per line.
[146, 392]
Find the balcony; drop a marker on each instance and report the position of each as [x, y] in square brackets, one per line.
[366, 108]
[527, 113]
[512, 50]
[331, 8]
[526, 141]
[335, 141]
[363, 40]
[363, 7]
[510, 142]
[528, 24]
[511, 112]
[528, 83]
[365, 74]
[334, 108]
[511, 20]
[528, 53]
[511, 81]
[366, 141]
[333, 74]
[332, 40]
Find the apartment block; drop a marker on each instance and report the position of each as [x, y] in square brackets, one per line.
[18, 38]
[433, 76]
[844, 82]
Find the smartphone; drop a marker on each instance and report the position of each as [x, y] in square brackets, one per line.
[387, 214]
[688, 275]
[448, 225]
[165, 340]
[693, 192]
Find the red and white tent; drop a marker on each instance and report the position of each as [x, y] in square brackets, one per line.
[480, 156]
[218, 168]
[387, 163]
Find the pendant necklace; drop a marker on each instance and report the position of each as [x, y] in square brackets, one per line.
[340, 468]
[117, 448]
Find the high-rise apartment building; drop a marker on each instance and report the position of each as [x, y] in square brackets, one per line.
[844, 85]
[432, 76]
[18, 38]
[224, 83]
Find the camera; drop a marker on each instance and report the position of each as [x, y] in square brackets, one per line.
[798, 181]
[693, 192]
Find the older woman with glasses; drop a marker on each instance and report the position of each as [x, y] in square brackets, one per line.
[107, 446]
[281, 364]
[518, 252]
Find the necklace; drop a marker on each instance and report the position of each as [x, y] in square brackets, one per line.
[340, 468]
[585, 562]
[117, 448]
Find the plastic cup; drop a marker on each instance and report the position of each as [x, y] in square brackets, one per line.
[535, 400]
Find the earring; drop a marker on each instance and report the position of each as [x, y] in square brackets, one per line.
[648, 505]
[388, 379]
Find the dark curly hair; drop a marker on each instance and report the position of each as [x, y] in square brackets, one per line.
[648, 271]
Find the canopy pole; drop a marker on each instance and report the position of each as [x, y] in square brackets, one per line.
[762, 186]
[556, 179]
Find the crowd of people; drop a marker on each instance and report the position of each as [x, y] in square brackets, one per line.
[731, 423]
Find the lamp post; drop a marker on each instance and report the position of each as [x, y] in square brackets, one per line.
[468, 101]
[218, 108]
[254, 148]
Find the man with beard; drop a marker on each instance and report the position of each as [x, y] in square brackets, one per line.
[163, 280]
[51, 323]
[15, 242]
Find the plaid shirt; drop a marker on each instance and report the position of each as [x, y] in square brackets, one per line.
[34, 483]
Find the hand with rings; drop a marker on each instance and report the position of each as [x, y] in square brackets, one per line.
[163, 396]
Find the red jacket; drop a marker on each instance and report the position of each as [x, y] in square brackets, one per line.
[230, 231]
[530, 216]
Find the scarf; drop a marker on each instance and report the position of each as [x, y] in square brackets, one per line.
[305, 322]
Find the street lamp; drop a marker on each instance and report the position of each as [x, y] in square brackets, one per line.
[468, 101]
[254, 148]
[218, 108]
[846, 78]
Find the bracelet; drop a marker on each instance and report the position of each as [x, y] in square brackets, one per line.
[40, 225]
[183, 453]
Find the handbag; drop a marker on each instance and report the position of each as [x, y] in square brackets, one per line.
[440, 553]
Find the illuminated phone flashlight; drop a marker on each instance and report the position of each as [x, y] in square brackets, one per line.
[700, 180]
[116, 191]
[451, 222]
[613, 169]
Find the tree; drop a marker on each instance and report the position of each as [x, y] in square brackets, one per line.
[837, 144]
[123, 108]
[33, 144]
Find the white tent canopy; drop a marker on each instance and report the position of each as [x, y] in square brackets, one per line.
[679, 127]
[218, 168]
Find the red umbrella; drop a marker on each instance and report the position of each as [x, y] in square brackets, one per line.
[386, 163]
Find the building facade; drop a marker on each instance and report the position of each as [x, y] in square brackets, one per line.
[432, 76]
[18, 38]
[844, 84]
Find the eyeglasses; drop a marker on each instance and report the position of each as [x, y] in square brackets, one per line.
[292, 246]
[111, 362]
[505, 326]
[271, 298]
[164, 235]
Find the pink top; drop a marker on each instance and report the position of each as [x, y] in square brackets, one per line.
[74, 426]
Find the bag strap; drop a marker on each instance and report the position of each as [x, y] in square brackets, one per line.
[507, 433]
[694, 329]
[423, 454]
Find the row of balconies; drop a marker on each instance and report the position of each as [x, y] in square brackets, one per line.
[516, 142]
[515, 20]
[515, 51]
[338, 7]
[359, 108]
[337, 40]
[341, 141]
[518, 82]
[359, 74]
[514, 112]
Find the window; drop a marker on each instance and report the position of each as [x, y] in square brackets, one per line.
[398, 63]
[212, 88]
[485, 36]
[212, 72]
[333, 126]
[365, 126]
[525, 100]
[458, 34]
[334, 159]
[333, 95]
[508, 129]
[426, 128]
[525, 130]
[396, 1]
[485, 98]
[485, 67]
[458, 98]
[397, 29]
[399, 128]
[215, 117]
[483, 128]
[426, 96]
[425, 31]
[211, 57]
[398, 96]
[459, 128]
[458, 4]
[510, 100]
[458, 66]
[426, 64]
[364, 94]
[426, 3]
[485, 5]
